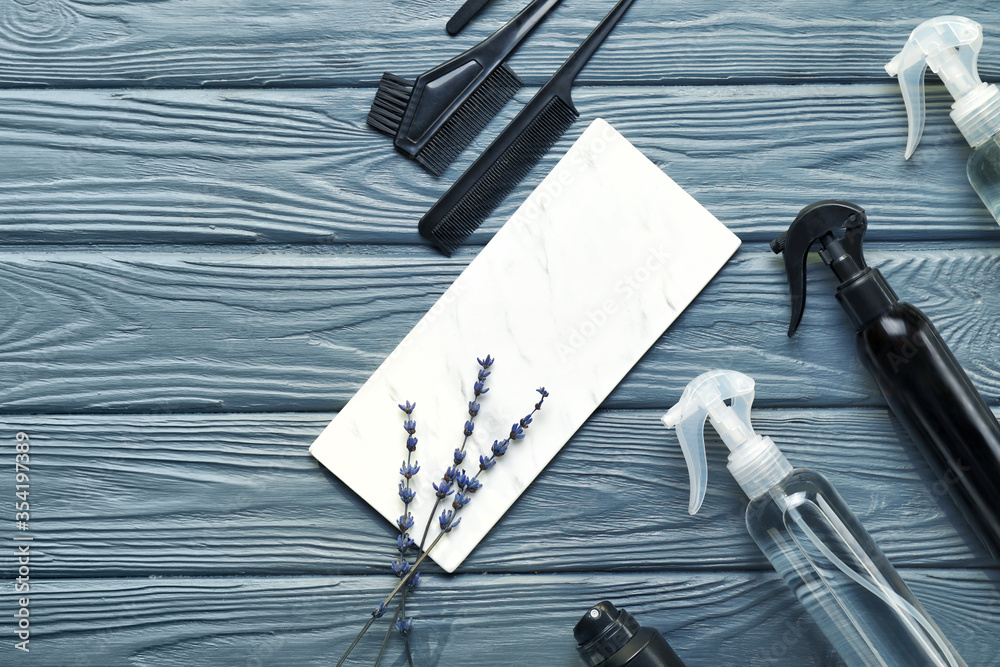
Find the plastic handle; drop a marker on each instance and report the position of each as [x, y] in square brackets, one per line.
[934, 43]
[688, 417]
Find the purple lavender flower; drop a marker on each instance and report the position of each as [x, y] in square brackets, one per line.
[462, 480]
[401, 567]
[473, 409]
[459, 456]
[461, 500]
[443, 490]
[487, 362]
[411, 443]
[485, 463]
[406, 494]
[413, 580]
[447, 525]
[473, 485]
[410, 426]
[500, 448]
[380, 610]
[403, 542]
[516, 432]
[479, 388]
[545, 394]
[525, 421]
[405, 522]
[469, 426]
[408, 408]
[403, 626]
[408, 470]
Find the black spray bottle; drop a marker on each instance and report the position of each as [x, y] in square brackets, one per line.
[921, 380]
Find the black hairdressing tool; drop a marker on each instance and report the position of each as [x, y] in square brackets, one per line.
[513, 154]
[464, 15]
[435, 117]
[609, 637]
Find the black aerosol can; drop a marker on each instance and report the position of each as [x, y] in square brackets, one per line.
[610, 637]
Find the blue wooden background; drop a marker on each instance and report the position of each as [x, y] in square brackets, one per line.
[205, 252]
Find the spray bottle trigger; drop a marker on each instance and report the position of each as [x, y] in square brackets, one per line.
[705, 396]
[950, 45]
[691, 435]
[911, 85]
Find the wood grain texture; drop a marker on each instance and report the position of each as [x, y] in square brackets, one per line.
[301, 167]
[175, 43]
[227, 495]
[218, 332]
[747, 619]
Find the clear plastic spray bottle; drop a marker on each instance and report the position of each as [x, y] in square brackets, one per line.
[809, 534]
[950, 46]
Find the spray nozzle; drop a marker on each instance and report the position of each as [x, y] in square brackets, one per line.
[844, 255]
[755, 461]
[950, 46]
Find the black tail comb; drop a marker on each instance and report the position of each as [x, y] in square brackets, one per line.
[515, 152]
[464, 15]
[434, 118]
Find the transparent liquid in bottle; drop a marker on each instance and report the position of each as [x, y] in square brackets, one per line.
[984, 173]
[842, 577]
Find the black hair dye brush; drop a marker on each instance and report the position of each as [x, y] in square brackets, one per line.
[513, 154]
[435, 117]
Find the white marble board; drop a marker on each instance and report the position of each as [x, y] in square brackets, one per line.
[569, 294]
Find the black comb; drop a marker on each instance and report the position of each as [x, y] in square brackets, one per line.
[435, 117]
[515, 152]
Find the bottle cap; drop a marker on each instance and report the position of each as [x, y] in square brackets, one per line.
[609, 637]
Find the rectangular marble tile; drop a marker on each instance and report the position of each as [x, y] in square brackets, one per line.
[569, 294]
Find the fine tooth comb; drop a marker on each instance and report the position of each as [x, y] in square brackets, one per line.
[435, 117]
[515, 152]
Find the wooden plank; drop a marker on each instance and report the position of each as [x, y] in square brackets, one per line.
[178, 495]
[235, 332]
[125, 167]
[72, 43]
[709, 618]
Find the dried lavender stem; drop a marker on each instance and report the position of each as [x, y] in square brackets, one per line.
[402, 582]
[388, 633]
[356, 640]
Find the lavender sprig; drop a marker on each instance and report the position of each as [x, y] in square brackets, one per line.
[404, 542]
[479, 389]
[467, 486]
[456, 484]
[452, 516]
[406, 494]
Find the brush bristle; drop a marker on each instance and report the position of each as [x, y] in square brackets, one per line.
[390, 103]
[469, 120]
[448, 229]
